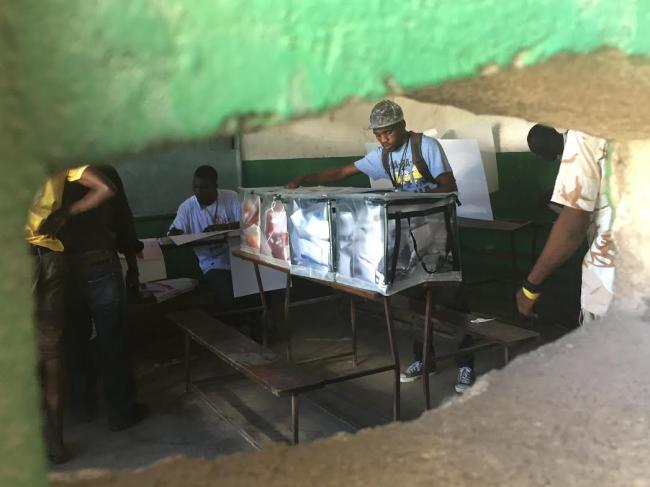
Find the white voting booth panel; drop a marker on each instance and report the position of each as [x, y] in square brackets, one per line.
[151, 263]
[465, 159]
[244, 281]
[482, 133]
[153, 273]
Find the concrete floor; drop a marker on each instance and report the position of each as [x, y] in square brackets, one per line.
[183, 424]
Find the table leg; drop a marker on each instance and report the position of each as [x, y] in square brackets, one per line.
[353, 322]
[395, 353]
[294, 419]
[287, 317]
[426, 348]
[533, 245]
[265, 312]
[188, 378]
[515, 275]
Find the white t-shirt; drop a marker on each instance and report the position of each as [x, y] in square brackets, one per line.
[192, 217]
[581, 184]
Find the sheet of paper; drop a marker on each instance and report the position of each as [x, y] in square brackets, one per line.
[482, 133]
[151, 263]
[194, 237]
[244, 281]
[169, 288]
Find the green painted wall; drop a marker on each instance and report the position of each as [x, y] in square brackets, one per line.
[88, 81]
[133, 72]
[277, 172]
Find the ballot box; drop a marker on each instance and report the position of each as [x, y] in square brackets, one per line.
[263, 224]
[390, 241]
[311, 230]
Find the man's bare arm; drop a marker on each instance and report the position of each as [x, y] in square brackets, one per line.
[100, 191]
[446, 183]
[325, 176]
[568, 232]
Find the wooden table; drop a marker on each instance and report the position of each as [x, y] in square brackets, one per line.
[354, 294]
[167, 243]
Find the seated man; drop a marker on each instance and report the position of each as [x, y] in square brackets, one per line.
[208, 210]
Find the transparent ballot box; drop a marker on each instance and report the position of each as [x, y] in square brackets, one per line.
[389, 241]
[263, 223]
[311, 229]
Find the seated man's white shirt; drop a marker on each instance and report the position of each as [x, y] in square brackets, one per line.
[192, 217]
[581, 184]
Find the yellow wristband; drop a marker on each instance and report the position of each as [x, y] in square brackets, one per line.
[530, 295]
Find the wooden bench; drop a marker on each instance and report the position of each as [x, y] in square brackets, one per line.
[256, 362]
[494, 331]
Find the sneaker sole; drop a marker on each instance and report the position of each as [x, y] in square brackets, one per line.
[406, 380]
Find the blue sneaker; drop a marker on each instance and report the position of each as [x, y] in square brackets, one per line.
[465, 379]
[413, 372]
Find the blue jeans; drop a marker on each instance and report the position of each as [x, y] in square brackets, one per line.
[95, 294]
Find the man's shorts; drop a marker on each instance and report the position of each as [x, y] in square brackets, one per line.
[49, 285]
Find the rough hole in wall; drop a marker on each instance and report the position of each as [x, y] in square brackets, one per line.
[604, 94]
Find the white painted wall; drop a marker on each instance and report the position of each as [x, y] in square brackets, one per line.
[343, 132]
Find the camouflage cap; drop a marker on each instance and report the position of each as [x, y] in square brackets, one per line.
[384, 114]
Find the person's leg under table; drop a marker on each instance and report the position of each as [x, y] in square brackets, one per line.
[465, 365]
[220, 281]
[414, 371]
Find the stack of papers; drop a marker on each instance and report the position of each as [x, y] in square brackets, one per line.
[169, 288]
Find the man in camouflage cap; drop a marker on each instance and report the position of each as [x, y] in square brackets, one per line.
[384, 114]
[414, 163]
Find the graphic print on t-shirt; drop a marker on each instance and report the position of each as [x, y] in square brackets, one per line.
[405, 175]
[410, 179]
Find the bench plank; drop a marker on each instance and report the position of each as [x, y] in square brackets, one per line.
[495, 330]
[256, 362]
[498, 331]
[494, 225]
